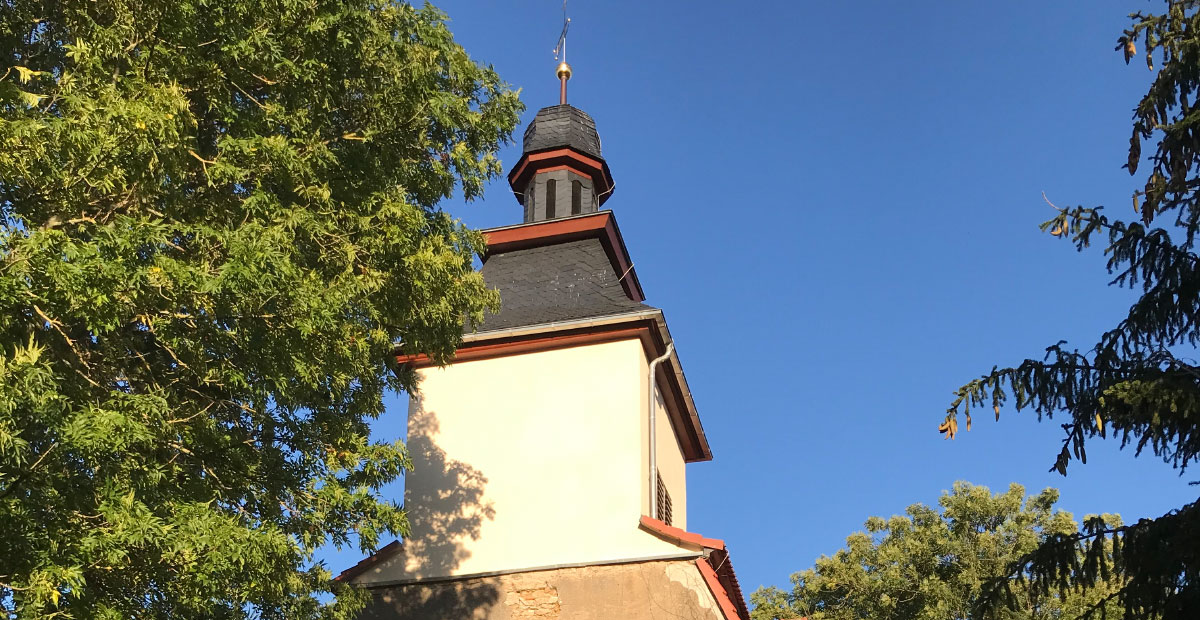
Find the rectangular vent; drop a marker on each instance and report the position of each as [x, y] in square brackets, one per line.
[663, 508]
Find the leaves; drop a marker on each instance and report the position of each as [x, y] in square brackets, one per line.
[931, 563]
[212, 238]
[25, 74]
[1138, 383]
[1125, 44]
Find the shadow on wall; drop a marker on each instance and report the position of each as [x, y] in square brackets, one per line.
[455, 600]
[445, 501]
[446, 508]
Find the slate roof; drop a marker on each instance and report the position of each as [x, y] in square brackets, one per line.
[562, 125]
[560, 282]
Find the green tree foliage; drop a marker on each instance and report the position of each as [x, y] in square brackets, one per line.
[1137, 384]
[931, 564]
[219, 216]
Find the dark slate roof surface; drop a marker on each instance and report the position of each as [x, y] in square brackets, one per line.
[562, 125]
[561, 282]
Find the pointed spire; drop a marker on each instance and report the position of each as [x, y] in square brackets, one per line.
[564, 74]
[561, 172]
[560, 52]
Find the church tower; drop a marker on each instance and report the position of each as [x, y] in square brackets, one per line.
[549, 458]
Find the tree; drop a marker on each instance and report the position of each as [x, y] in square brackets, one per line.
[219, 218]
[930, 564]
[1137, 384]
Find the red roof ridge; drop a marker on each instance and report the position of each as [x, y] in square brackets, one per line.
[678, 536]
[364, 564]
[715, 566]
[714, 584]
[723, 567]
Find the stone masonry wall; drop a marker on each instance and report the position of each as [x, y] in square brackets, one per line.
[661, 590]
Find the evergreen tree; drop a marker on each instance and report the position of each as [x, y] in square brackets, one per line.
[1138, 383]
[932, 565]
[219, 218]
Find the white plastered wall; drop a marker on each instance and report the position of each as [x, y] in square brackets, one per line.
[670, 463]
[531, 460]
[669, 456]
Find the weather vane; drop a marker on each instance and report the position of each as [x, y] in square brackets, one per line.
[560, 53]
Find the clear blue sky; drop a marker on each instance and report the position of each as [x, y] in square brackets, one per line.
[836, 204]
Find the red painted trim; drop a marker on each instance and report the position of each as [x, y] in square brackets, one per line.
[568, 168]
[515, 346]
[532, 163]
[566, 152]
[678, 536]
[515, 237]
[728, 609]
[532, 158]
[723, 566]
[548, 232]
[366, 563]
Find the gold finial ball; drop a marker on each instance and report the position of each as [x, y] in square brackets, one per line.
[564, 70]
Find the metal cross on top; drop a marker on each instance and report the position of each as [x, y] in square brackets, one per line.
[560, 53]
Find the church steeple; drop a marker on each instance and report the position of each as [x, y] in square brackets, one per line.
[561, 171]
[510, 516]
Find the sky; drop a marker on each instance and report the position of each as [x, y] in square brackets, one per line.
[837, 205]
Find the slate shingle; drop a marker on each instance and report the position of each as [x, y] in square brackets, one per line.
[562, 125]
[561, 282]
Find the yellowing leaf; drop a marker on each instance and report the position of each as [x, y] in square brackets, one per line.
[25, 73]
[1100, 423]
[949, 428]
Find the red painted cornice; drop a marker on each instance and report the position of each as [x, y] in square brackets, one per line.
[679, 536]
[515, 345]
[584, 165]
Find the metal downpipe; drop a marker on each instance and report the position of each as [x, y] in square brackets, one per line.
[653, 437]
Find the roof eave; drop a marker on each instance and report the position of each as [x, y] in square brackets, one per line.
[509, 340]
[704, 452]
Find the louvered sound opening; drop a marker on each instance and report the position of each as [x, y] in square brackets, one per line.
[663, 507]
